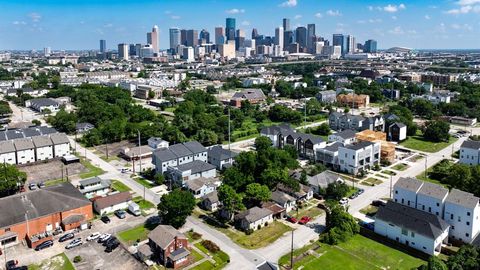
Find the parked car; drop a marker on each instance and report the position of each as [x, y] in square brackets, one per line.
[66, 237]
[292, 219]
[304, 220]
[75, 243]
[121, 214]
[110, 240]
[343, 201]
[104, 237]
[11, 264]
[41, 185]
[378, 203]
[93, 236]
[353, 196]
[33, 186]
[112, 245]
[105, 219]
[360, 191]
[44, 245]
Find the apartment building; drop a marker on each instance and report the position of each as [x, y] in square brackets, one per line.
[362, 156]
[470, 153]
[178, 154]
[342, 121]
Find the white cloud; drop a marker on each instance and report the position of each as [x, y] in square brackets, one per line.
[393, 8]
[394, 18]
[245, 23]
[297, 17]
[375, 20]
[427, 17]
[396, 31]
[289, 3]
[370, 8]
[19, 23]
[318, 15]
[175, 17]
[235, 11]
[333, 13]
[465, 27]
[35, 16]
[464, 10]
[468, 2]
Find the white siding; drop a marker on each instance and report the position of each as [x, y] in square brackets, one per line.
[463, 221]
[44, 153]
[26, 156]
[430, 205]
[469, 156]
[61, 150]
[405, 197]
[9, 158]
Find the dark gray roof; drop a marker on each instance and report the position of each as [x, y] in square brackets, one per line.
[212, 197]
[6, 147]
[41, 102]
[41, 202]
[281, 197]
[412, 219]
[398, 124]
[253, 214]
[90, 181]
[219, 153]
[47, 130]
[462, 198]
[323, 179]
[163, 235]
[14, 134]
[196, 166]
[266, 266]
[84, 126]
[333, 147]
[31, 131]
[41, 141]
[179, 254]
[23, 144]
[409, 183]
[274, 130]
[253, 93]
[433, 190]
[180, 150]
[198, 183]
[346, 134]
[471, 144]
[59, 138]
[3, 137]
[164, 154]
[195, 147]
[358, 146]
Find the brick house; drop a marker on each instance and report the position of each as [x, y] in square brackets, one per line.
[169, 246]
[34, 216]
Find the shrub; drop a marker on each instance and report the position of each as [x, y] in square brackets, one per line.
[211, 246]
[77, 259]
[248, 231]
[196, 236]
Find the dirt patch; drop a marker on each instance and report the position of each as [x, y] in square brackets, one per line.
[40, 172]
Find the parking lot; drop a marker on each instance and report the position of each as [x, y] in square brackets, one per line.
[43, 171]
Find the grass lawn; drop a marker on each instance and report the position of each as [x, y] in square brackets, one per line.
[312, 212]
[369, 210]
[381, 176]
[119, 186]
[221, 258]
[357, 253]
[371, 182]
[417, 142]
[258, 238]
[422, 177]
[170, 109]
[92, 170]
[144, 205]
[400, 167]
[389, 172]
[132, 235]
[54, 182]
[58, 262]
[144, 182]
[196, 256]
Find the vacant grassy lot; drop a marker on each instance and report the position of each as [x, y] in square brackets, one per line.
[144, 205]
[119, 186]
[92, 170]
[422, 177]
[144, 182]
[389, 172]
[221, 259]
[371, 182]
[400, 167]
[357, 253]
[417, 142]
[258, 238]
[58, 262]
[132, 235]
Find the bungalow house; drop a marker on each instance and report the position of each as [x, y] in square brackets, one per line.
[277, 210]
[94, 187]
[322, 180]
[284, 200]
[211, 202]
[83, 127]
[304, 193]
[168, 246]
[201, 186]
[254, 96]
[253, 218]
[111, 203]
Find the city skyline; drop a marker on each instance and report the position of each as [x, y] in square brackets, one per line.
[429, 24]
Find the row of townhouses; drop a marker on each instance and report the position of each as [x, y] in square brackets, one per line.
[425, 215]
[470, 153]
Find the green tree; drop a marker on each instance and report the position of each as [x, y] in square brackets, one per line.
[230, 199]
[257, 193]
[12, 179]
[434, 263]
[262, 143]
[437, 131]
[337, 190]
[341, 226]
[467, 258]
[159, 178]
[151, 94]
[175, 207]
[323, 130]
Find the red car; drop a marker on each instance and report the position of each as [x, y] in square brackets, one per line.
[304, 220]
[292, 219]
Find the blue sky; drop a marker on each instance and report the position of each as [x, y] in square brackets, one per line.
[79, 24]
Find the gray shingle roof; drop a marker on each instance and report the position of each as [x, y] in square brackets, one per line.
[358, 146]
[333, 147]
[180, 150]
[462, 198]
[323, 179]
[196, 166]
[219, 153]
[471, 144]
[6, 147]
[90, 181]
[433, 190]
[41, 141]
[408, 183]
[164, 154]
[412, 219]
[59, 138]
[113, 199]
[195, 147]
[163, 235]
[198, 183]
[398, 124]
[3, 137]
[253, 93]
[281, 197]
[41, 102]
[23, 144]
[346, 134]
[178, 254]
[30, 132]
[253, 214]
[40, 203]
[212, 197]
[47, 130]
[14, 134]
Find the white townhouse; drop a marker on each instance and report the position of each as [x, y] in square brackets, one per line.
[346, 136]
[431, 199]
[359, 156]
[8, 152]
[470, 153]
[178, 154]
[462, 212]
[405, 191]
[61, 144]
[412, 227]
[43, 147]
[192, 170]
[25, 150]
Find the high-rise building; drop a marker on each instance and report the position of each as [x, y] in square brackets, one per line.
[174, 39]
[279, 37]
[287, 38]
[310, 36]
[47, 51]
[152, 38]
[254, 33]
[230, 28]
[286, 24]
[132, 50]
[204, 36]
[123, 51]
[138, 50]
[370, 46]
[188, 54]
[183, 37]
[103, 46]
[301, 37]
[192, 38]
[351, 44]
[239, 39]
[340, 40]
[219, 35]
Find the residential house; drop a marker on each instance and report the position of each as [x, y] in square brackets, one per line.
[220, 157]
[284, 200]
[328, 156]
[431, 198]
[211, 202]
[202, 186]
[148, 92]
[462, 212]
[61, 144]
[25, 150]
[136, 153]
[178, 154]
[82, 128]
[346, 136]
[42, 104]
[391, 94]
[278, 212]
[405, 191]
[397, 132]
[412, 227]
[169, 246]
[253, 218]
[43, 147]
[322, 180]
[94, 187]
[157, 143]
[29, 215]
[111, 203]
[329, 96]
[8, 152]
[254, 96]
[470, 153]
[189, 171]
[304, 193]
[342, 121]
[358, 157]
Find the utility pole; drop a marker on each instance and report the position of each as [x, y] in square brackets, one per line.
[139, 154]
[291, 253]
[391, 186]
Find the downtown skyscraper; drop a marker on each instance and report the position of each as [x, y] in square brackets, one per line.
[230, 28]
[174, 39]
[152, 38]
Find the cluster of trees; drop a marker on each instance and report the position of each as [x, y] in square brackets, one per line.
[12, 179]
[341, 226]
[322, 130]
[175, 207]
[436, 131]
[459, 176]
[307, 70]
[467, 258]
[335, 191]
[286, 89]
[280, 113]
[4, 108]
[254, 174]
[6, 75]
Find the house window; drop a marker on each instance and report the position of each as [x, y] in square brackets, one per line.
[404, 232]
[453, 227]
[467, 235]
[423, 207]
[412, 234]
[396, 191]
[468, 213]
[424, 248]
[402, 201]
[429, 209]
[451, 216]
[468, 223]
[436, 213]
[438, 204]
[459, 219]
[395, 200]
[7, 229]
[408, 202]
